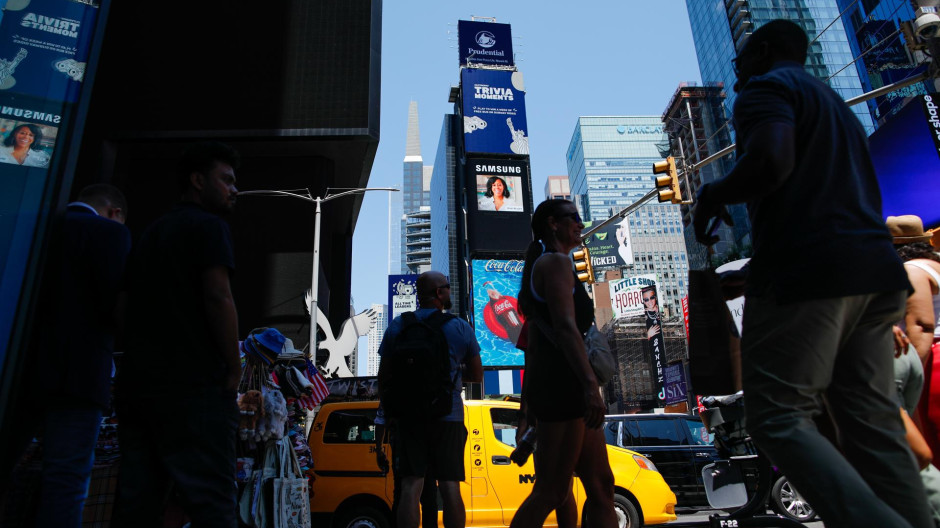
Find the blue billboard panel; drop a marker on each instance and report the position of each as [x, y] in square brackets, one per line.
[497, 322]
[402, 294]
[484, 43]
[494, 112]
[906, 154]
[44, 45]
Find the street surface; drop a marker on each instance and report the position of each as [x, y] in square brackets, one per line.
[703, 516]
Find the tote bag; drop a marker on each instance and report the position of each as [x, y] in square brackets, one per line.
[291, 500]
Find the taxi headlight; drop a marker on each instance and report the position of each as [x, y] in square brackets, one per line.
[644, 463]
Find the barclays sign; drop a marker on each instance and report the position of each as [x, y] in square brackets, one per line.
[484, 43]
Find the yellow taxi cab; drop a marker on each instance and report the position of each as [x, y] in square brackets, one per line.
[350, 491]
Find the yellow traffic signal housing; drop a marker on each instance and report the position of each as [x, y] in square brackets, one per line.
[668, 183]
[582, 265]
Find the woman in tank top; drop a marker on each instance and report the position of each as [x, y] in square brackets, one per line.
[560, 390]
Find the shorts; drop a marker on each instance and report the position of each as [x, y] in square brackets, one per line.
[435, 449]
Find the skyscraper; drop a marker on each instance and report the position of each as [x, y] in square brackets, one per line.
[445, 242]
[720, 27]
[610, 163]
[396, 231]
[376, 333]
[415, 230]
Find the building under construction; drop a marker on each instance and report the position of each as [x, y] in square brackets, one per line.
[697, 128]
[632, 388]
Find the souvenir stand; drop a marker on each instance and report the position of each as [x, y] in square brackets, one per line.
[278, 386]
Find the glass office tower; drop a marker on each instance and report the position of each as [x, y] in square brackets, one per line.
[610, 165]
[720, 27]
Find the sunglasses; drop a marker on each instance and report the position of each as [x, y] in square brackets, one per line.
[444, 286]
[574, 215]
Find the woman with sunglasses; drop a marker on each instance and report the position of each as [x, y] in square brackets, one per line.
[560, 390]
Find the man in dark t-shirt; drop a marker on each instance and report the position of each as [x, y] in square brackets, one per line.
[824, 289]
[177, 382]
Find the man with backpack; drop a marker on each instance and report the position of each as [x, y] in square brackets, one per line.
[426, 356]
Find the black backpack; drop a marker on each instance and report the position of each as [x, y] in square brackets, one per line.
[414, 375]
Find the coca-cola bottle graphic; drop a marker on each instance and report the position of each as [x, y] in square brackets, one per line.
[505, 312]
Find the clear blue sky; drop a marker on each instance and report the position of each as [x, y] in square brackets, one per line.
[589, 58]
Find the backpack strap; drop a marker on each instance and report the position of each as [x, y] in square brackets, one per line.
[439, 319]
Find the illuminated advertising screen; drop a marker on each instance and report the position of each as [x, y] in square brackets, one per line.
[906, 154]
[44, 45]
[494, 119]
[499, 205]
[486, 43]
[496, 319]
[610, 248]
[402, 294]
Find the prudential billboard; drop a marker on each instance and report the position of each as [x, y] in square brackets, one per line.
[484, 43]
[494, 112]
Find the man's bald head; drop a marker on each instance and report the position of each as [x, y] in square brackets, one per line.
[431, 286]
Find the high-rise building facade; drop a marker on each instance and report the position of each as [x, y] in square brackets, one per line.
[396, 231]
[416, 200]
[610, 162]
[720, 27]
[875, 36]
[376, 333]
[445, 242]
[557, 187]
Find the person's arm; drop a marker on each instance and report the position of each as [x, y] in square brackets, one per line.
[916, 441]
[918, 316]
[553, 274]
[766, 158]
[473, 371]
[223, 320]
[768, 161]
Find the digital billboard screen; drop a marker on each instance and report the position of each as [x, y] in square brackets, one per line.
[494, 119]
[496, 319]
[499, 205]
[44, 45]
[486, 43]
[906, 154]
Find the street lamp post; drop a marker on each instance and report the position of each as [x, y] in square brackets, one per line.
[315, 275]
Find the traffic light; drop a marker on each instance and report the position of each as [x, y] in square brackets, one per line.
[582, 265]
[668, 183]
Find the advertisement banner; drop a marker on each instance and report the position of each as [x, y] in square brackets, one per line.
[625, 295]
[486, 43]
[635, 296]
[674, 381]
[44, 46]
[494, 119]
[610, 248]
[905, 151]
[402, 294]
[496, 317]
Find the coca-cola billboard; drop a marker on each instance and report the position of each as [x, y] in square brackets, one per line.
[496, 319]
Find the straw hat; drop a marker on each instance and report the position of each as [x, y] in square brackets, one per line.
[907, 229]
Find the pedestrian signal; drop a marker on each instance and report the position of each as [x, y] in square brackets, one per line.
[668, 183]
[582, 265]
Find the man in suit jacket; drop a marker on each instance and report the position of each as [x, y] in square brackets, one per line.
[86, 273]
